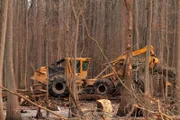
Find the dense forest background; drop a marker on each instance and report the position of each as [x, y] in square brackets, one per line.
[44, 32]
[35, 33]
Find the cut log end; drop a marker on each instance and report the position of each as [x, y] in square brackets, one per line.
[105, 106]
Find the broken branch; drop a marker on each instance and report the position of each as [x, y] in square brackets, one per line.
[15, 93]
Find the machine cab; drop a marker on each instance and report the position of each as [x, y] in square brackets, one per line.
[82, 66]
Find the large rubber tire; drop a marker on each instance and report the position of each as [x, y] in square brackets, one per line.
[57, 88]
[103, 87]
[118, 89]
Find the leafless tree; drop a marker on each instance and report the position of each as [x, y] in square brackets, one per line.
[178, 56]
[127, 93]
[147, 79]
[13, 111]
[2, 47]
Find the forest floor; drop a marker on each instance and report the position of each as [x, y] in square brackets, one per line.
[29, 112]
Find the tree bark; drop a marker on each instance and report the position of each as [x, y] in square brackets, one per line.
[148, 84]
[75, 108]
[178, 57]
[167, 46]
[147, 79]
[2, 47]
[137, 23]
[124, 26]
[13, 111]
[26, 44]
[127, 93]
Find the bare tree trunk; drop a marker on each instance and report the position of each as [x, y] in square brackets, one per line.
[13, 112]
[178, 57]
[137, 23]
[175, 35]
[167, 47]
[127, 93]
[16, 41]
[73, 87]
[40, 31]
[162, 38]
[123, 25]
[147, 79]
[148, 84]
[2, 47]
[26, 44]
